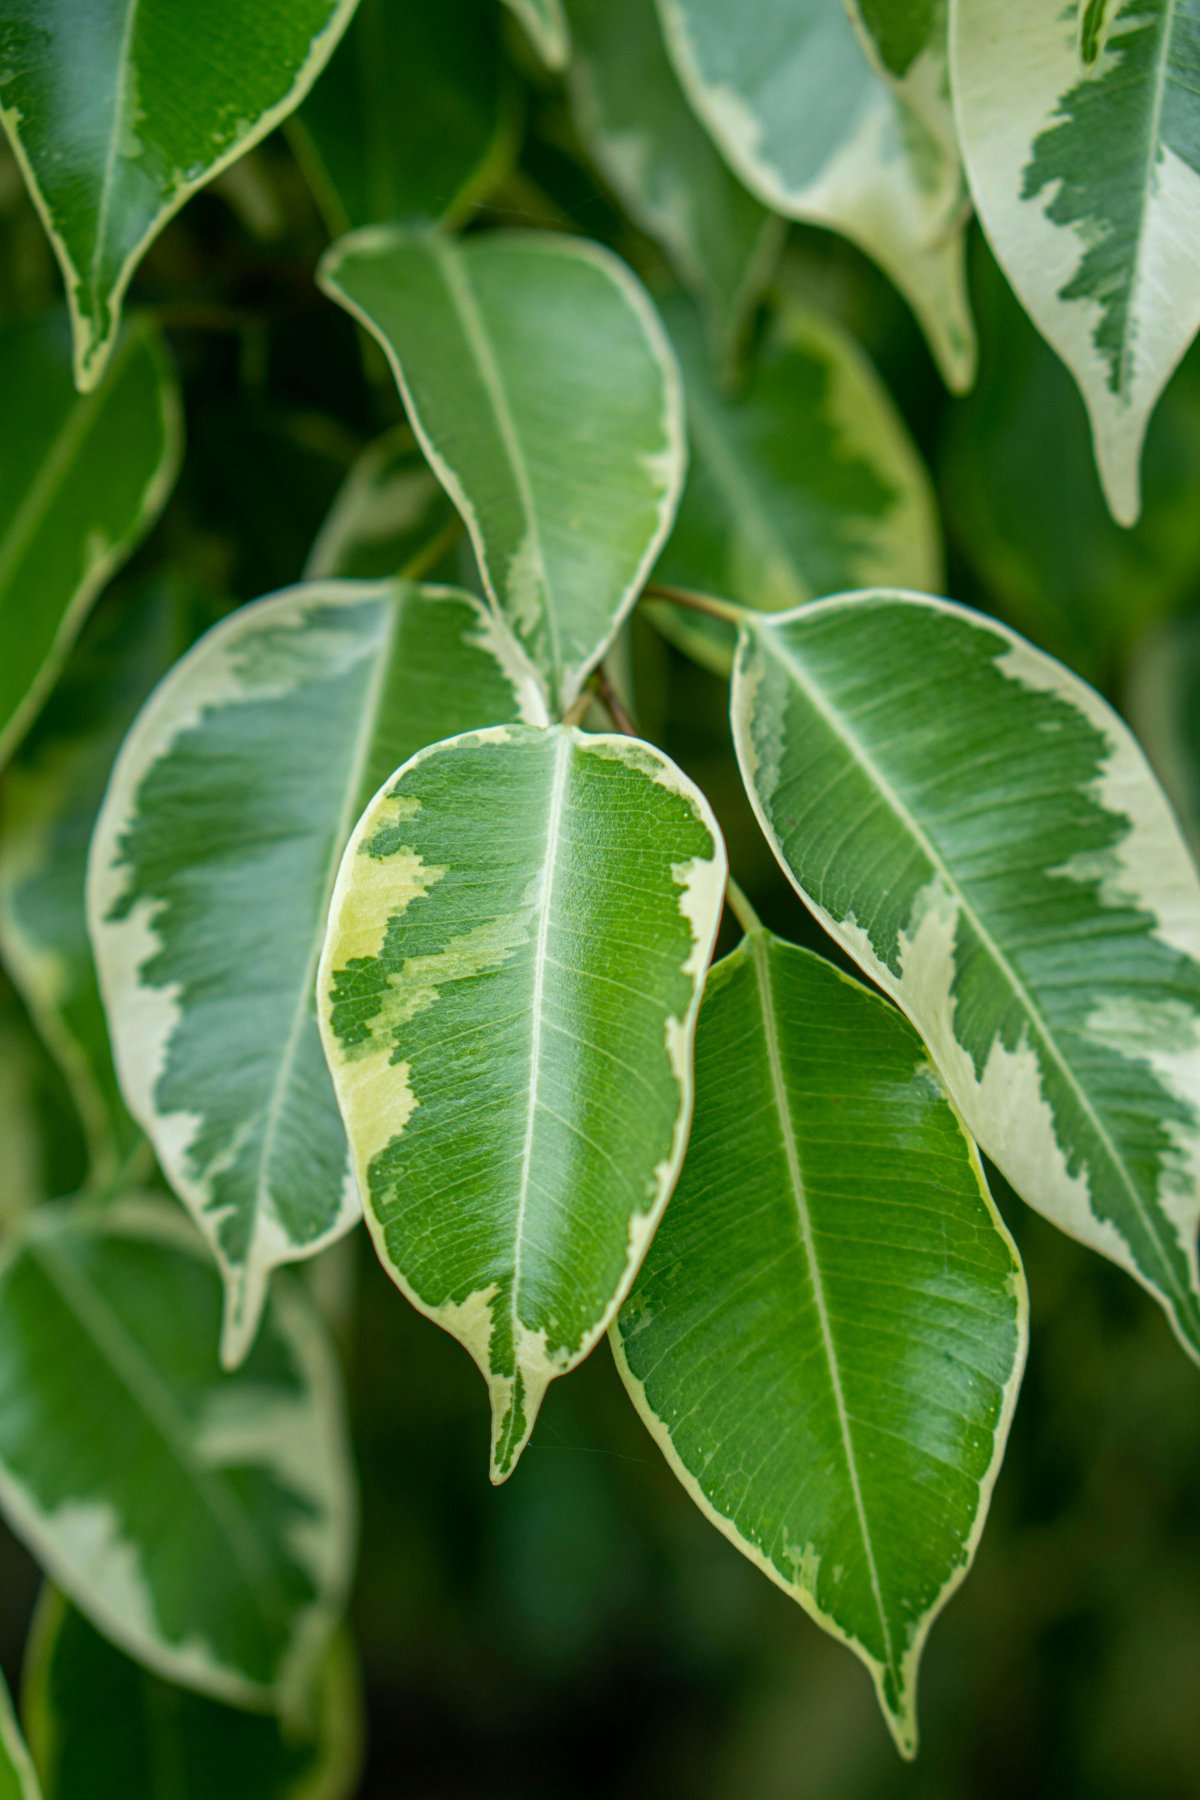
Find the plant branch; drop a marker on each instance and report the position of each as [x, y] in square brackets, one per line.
[693, 601]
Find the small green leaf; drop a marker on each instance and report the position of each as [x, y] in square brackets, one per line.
[387, 512]
[1083, 153]
[666, 170]
[52, 795]
[796, 107]
[211, 870]
[81, 482]
[805, 482]
[203, 1522]
[546, 398]
[979, 830]
[546, 24]
[516, 950]
[17, 1779]
[170, 98]
[102, 1728]
[412, 119]
[828, 1332]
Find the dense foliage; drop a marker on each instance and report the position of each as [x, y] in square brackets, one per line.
[477, 697]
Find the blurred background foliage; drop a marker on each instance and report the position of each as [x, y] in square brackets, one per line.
[583, 1631]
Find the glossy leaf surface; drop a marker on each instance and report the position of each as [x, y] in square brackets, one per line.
[516, 949]
[211, 872]
[203, 1521]
[546, 398]
[1084, 160]
[81, 482]
[979, 830]
[103, 1728]
[172, 95]
[828, 1331]
[794, 103]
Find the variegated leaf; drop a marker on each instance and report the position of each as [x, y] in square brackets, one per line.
[647, 141]
[516, 950]
[412, 120]
[907, 40]
[17, 1778]
[1080, 128]
[546, 24]
[81, 482]
[538, 379]
[828, 1332]
[203, 1522]
[48, 808]
[982, 834]
[804, 482]
[109, 163]
[388, 512]
[101, 1727]
[793, 102]
[211, 870]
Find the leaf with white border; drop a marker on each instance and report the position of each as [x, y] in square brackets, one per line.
[802, 116]
[211, 869]
[17, 1778]
[908, 42]
[977, 828]
[1084, 161]
[516, 951]
[81, 482]
[828, 1332]
[546, 397]
[172, 96]
[203, 1521]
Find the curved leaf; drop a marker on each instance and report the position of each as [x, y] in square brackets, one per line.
[211, 870]
[102, 1728]
[17, 1779]
[982, 834]
[411, 120]
[203, 1522]
[109, 163]
[81, 482]
[545, 396]
[805, 482]
[650, 146]
[516, 949]
[1085, 167]
[546, 24]
[797, 109]
[388, 510]
[828, 1332]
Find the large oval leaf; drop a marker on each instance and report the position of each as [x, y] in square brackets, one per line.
[665, 168]
[101, 1727]
[982, 834]
[204, 1522]
[804, 482]
[110, 163]
[791, 99]
[81, 482]
[1083, 151]
[547, 400]
[516, 949]
[211, 870]
[411, 120]
[17, 1778]
[828, 1331]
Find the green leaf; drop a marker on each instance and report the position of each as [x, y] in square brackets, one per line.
[546, 24]
[516, 950]
[102, 1728]
[212, 866]
[24, 1183]
[412, 118]
[388, 511]
[81, 482]
[1087, 181]
[203, 1522]
[17, 1779]
[981, 833]
[1164, 706]
[828, 1332]
[647, 141]
[169, 100]
[806, 122]
[546, 398]
[51, 798]
[804, 483]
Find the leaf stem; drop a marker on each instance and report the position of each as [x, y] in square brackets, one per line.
[741, 908]
[612, 703]
[431, 553]
[694, 601]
